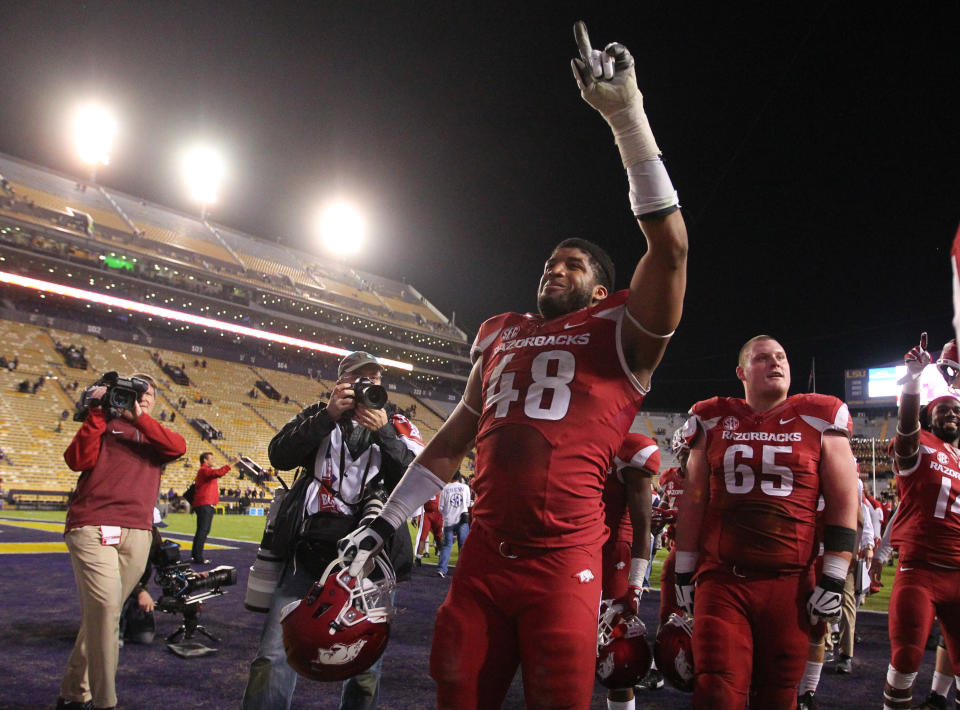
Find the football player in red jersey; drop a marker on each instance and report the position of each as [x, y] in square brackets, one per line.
[672, 482]
[627, 503]
[747, 528]
[549, 400]
[926, 530]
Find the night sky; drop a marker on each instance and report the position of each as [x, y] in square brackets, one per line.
[815, 147]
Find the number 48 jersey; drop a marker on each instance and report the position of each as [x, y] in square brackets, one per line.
[558, 400]
[764, 471]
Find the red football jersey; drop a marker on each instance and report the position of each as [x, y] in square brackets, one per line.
[558, 400]
[927, 524]
[764, 479]
[671, 482]
[640, 452]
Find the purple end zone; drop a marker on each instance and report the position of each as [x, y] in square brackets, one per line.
[39, 619]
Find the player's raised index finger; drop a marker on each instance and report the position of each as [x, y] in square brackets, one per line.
[583, 41]
[923, 341]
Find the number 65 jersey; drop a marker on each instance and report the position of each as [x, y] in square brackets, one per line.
[764, 472]
[558, 400]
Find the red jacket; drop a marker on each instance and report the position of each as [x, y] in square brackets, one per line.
[208, 490]
[120, 464]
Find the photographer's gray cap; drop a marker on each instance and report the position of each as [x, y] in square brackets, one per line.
[354, 361]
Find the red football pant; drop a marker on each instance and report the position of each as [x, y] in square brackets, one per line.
[431, 523]
[920, 592]
[668, 594]
[533, 611]
[750, 629]
[616, 568]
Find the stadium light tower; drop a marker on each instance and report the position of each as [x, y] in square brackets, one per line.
[204, 170]
[93, 131]
[342, 228]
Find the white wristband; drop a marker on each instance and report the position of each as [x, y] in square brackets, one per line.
[835, 566]
[632, 133]
[911, 386]
[686, 562]
[418, 485]
[650, 187]
[638, 570]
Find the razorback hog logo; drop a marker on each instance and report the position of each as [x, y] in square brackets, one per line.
[338, 654]
[683, 666]
[584, 576]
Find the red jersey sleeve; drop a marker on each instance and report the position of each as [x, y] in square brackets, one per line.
[640, 452]
[825, 413]
[84, 450]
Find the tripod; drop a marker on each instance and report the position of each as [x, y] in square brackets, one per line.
[191, 624]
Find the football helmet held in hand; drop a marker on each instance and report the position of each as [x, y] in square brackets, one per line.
[623, 656]
[341, 627]
[949, 364]
[673, 652]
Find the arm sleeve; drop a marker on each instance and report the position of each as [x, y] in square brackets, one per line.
[299, 437]
[84, 450]
[168, 444]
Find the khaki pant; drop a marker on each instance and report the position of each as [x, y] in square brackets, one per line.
[105, 576]
[848, 616]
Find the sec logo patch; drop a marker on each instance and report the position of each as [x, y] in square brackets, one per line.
[730, 424]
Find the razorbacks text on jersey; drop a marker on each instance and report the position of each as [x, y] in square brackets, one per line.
[764, 472]
[557, 401]
[927, 524]
[672, 485]
[640, 452]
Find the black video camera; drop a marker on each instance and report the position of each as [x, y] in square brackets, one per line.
[368, 394]
[182, 586]
[122, 393]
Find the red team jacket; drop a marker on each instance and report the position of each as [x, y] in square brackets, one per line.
[640, 452]
[558, 400]
[764, 479]
[927, 525]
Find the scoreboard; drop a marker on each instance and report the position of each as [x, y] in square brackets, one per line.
[877, 386]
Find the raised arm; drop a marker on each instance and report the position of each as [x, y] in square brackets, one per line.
[907, 447]
[608, 82]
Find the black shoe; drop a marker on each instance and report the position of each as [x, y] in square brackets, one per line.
[934, 701]
[418, 561]
[805, 701]
[73, 705]
[653, 680]
[844, 664]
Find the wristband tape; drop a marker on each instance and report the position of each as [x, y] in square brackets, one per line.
[837, 538]
[835, 567]
[638, 570]
[418, 485]
[685, 562]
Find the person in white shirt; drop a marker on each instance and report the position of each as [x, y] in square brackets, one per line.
[454, 506]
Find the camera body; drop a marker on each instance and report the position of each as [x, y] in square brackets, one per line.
[181, 586]
[122, 394]
[368, 394]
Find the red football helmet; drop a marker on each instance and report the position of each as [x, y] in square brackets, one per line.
[623, 656]
[673, 651]
[949, 364]
[341, 627]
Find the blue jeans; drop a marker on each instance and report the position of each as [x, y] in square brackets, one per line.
[460, 530]
[204, 521]
[272, 681]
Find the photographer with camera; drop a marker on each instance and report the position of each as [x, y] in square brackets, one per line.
[205, 497]
[120, 451]
[350, 450]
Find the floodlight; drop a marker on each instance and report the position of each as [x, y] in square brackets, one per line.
[93, 129]
[342, 228]
[204, 170]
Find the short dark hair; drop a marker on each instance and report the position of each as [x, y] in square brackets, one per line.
[600, 261]
[204, 455]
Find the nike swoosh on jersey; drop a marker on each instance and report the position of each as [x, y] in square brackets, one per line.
[573, 325]
[115, 432]
[787, 421]
[906, 569]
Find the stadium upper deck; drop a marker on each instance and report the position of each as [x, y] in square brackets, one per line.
[41, 196]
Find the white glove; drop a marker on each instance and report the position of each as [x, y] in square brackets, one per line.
[826, 600]
[357, 549]
[685, 588]
[915, 360]
[608, 82]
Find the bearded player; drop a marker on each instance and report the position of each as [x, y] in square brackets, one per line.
[549, 400]
[747, 526]
[627, 503]
[926, 530]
